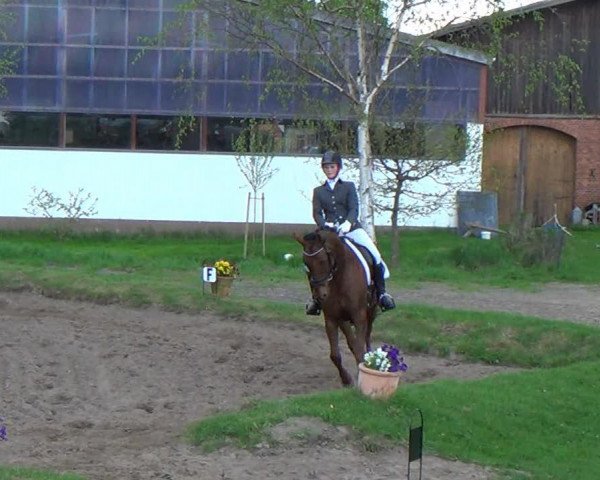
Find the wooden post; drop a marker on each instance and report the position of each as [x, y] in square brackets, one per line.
[264, 249]
[247, 226]
[522, 170]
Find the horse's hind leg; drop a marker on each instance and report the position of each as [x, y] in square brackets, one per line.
[331, 328]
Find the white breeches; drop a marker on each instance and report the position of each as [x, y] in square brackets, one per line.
[361, 237]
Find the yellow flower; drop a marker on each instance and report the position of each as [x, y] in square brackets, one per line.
[224, 268]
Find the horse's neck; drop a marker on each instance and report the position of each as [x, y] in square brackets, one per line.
[342, 253]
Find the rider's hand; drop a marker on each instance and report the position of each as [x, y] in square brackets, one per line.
[345, 227]
[330, 225]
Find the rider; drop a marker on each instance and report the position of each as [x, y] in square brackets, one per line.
[335, 205]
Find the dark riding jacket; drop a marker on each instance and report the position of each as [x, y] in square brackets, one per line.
[337, 205]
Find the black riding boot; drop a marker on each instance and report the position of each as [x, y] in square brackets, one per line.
[313, 307]
[386, 302]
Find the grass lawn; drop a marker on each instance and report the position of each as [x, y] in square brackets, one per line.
[541, 422]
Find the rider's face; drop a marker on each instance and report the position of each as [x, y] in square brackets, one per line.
[331, 170]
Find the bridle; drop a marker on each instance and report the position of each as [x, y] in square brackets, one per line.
[315, 282]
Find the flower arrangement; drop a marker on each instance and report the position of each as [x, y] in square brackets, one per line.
[386, 358]
[225, 268]
[3, 433]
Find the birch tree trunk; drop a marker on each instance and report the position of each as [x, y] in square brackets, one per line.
[365, 193]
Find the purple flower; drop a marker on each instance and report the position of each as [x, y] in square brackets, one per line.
[396, 361]
[3, 433]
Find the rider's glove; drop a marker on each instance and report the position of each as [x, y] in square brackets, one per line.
[345, 227]
[330, 225]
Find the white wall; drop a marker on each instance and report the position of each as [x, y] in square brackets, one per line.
[176, 186]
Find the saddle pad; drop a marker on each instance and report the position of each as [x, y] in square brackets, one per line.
[361, 258]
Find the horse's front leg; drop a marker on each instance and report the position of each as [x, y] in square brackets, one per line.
[359, 338]
[331, 327]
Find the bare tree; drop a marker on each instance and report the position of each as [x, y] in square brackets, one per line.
[255, 147]
[419, 167]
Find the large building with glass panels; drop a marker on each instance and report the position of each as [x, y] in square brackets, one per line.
[88, 76]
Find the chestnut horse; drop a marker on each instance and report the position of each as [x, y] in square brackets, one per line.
[337, 280]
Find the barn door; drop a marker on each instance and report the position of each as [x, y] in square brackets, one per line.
[532, 169]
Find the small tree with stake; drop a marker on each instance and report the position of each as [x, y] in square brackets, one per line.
[255, 147]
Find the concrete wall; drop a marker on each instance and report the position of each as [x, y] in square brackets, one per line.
[184, 187]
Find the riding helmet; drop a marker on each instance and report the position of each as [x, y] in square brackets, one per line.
[331, 156]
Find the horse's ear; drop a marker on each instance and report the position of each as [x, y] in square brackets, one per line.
[298, 238]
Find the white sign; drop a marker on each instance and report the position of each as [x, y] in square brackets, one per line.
[209, 274]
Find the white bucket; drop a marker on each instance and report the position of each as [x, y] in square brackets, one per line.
[486, 235]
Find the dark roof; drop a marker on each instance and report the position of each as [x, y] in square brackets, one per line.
[510, 13]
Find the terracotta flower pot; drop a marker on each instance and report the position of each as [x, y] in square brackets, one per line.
[222, 287]
[376, 384]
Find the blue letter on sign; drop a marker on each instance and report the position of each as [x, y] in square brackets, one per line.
[209, 274]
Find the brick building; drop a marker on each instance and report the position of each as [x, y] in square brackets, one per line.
[542, 144]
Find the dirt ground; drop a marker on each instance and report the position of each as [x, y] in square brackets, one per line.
[106, 391]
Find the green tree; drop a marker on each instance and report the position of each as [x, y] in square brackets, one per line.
[7, 56]
[352, 47]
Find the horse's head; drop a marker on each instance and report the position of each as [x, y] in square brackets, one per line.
[318, 251]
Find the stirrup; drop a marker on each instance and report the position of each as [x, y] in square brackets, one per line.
[386, 302]
[313, 308]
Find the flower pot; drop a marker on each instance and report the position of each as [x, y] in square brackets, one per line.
[376, 384]
[222, 287]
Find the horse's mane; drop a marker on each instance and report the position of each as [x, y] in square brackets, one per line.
[332, 240]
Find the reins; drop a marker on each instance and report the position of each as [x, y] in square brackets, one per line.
[332, 268]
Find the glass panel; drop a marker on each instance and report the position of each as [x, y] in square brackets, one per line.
[215, 65]
[242, 98]
[175, 64]
[174, 4]
[15, 88]
[110, 27]
[79, 62]
[143, 24]
[441, 105]
[211, 32]
[79, 26]
[99, 3]
[242, 66]
[277, 101]
[109, 95]
[98, 131]
[41, 92]
[142, 63]
[109, 62]
[167, 133]
[77, 93]
[30, 129]
[215, 98]
[41, 60]
[176, 96]
[144, 3]
[177, 29]
[15, 26]
[42, 25]
[142, 96]
[42, 2]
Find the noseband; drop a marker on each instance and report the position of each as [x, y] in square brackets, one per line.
[315, 282]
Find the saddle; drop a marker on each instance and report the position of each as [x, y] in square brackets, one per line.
[364, 257]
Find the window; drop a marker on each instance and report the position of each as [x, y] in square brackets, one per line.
[167, 133]
[29, 129]
[411, 140]
[98, 131]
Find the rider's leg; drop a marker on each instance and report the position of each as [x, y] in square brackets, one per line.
[386, 302]
[361, 237]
